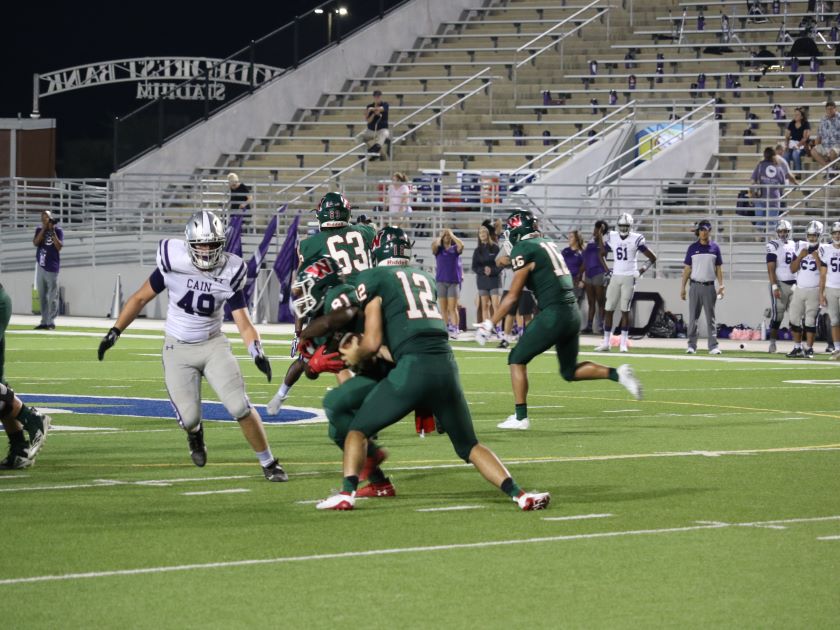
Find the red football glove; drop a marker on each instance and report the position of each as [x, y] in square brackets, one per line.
[306, 349]
[323, 362]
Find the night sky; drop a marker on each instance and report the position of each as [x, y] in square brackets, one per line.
[42, 38]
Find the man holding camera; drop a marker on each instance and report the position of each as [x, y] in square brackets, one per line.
[376, 117]
[49, 239]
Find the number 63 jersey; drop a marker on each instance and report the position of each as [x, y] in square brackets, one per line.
[196, 297]
[349, 246]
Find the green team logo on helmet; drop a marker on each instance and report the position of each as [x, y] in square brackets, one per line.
[519, 225]
[391, 247]
[333, 210]
[313, 280]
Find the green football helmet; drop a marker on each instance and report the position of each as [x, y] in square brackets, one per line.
[391, 247]
[313, 280]
[333, 211]
[520, 224]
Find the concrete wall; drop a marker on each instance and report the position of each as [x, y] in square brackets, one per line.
[300, 88]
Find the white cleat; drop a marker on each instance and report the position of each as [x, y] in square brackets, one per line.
[274, 405]
[715, 351]
[604, 347]
[628, 380]
[528, 501]
[690, 351]
[772, 347]
[338, 501]
[623, 349]
[513, 423]
[835, 356]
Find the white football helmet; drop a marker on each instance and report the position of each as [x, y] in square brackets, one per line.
[205, 237]
[625, 224]
[814, 232]
[783, 229]
[835, 233]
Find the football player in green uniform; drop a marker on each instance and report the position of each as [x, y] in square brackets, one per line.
[349, 245]
[400, 307]
[538, 265]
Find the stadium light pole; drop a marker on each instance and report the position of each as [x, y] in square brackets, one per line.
[339, 11]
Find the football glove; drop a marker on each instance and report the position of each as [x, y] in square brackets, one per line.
[295, 344]
[108, 342]
[483, 332]
[322, 361]
[261, 361]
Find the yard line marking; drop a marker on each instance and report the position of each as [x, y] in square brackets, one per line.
[451, 509]
[546, 406]
[389, 551]
[104, 483]
[12, 477]
[206, 492]
[620, 410]
[828, 538]
[578, 517]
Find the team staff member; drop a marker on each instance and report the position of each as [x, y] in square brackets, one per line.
[703, 263]
[49, 239]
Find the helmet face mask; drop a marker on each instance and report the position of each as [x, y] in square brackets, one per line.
[814, 232]
[333, 211]
[311, 284]
[783, 229]
[205, 236]
[625, 224]
[391, 247]
[520, 224]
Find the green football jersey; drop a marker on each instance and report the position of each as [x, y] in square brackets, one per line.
[411, 318]
[550, 280]
[349, 246]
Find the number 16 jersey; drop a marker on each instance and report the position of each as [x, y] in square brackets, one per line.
[196, 297]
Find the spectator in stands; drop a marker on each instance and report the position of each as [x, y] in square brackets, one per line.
[827, 146]
[376, 117]
[487, 273]
[240, 195]
[595, 280]
[703, 264]
[780, 152]
[49, 239]
[768, 180]
[573, 256]
[447, 249]
[796, 138]
[399, 195]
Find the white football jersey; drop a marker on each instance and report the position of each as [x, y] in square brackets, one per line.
[196, 297]
[808, 275]
[830, 257]
[624, 252]
[785, 252]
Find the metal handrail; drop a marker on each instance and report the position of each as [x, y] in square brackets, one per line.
[563, 22]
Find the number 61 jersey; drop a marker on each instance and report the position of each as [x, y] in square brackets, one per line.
[196, 297]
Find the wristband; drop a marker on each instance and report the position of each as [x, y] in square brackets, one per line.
[775, 287]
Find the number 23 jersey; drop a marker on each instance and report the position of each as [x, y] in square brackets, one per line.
[196, 297]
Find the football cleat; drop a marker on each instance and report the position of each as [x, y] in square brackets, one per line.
[274, 405]
[829, 349]
[772, 348]
[796, 353]
[340, 501]
[377, 490]
[623, 349]
[372, 463]
[504, 343]
[17, 459]
[38, 433]
[529, 501]
[835, 356]
[274, 472]
[513, 423]
[690, 350]
[717, 351]
[604, 347]
[809, 353]
[198, 451]
[628, 380]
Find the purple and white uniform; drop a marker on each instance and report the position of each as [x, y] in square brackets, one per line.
[625, 268]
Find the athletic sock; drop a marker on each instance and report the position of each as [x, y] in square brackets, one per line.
[522, 411]
[607, 334]
[265, 457]
[613, 375]
[511, 488]
[624, 337]
[349, 484]
[284, 390]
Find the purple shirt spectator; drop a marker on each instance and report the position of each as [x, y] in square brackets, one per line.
[592, 264]
[574, 260]
[770, 178]
[47, 254]
[449, 265]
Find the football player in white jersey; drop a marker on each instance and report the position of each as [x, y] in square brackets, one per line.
[829, 258]
[780, 254]
[200, 277]
[806, 300]
[624, 245]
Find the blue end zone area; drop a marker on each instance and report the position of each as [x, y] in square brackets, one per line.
[157, 408]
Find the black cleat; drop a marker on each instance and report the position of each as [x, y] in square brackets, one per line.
[274, 472]
[198, 451]
[796, 353]
[37, 430]
[17, 458]
[809, 353]
[829, 349]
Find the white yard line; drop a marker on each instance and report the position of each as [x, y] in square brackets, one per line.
[829, 538]
[206, 492]
[453, 508]
[389, 551]
[577, 517]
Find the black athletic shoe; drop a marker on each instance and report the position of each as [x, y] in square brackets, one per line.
[504, 343]
[274, 472]
[37, 429]
[796, 353]
[829, 349]
[809, 353]
[198, 451]
[16, 459]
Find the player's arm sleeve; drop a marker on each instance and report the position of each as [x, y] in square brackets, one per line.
[157, 281]
[641, 244]
[237, 282]
[237, 301]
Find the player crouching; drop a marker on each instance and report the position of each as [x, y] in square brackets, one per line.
[16, 418]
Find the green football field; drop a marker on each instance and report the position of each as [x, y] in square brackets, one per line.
[714, 502]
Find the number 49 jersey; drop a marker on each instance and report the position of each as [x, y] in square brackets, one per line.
[830, 257]
[550, 280]
[410, 314]
[348, 246]
[196, 297]
[624, 251]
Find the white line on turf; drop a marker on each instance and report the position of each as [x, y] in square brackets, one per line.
[621, 410]
[206, 492]
[453, 508]
[829, 538]
[577, 517]
[392, 551]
